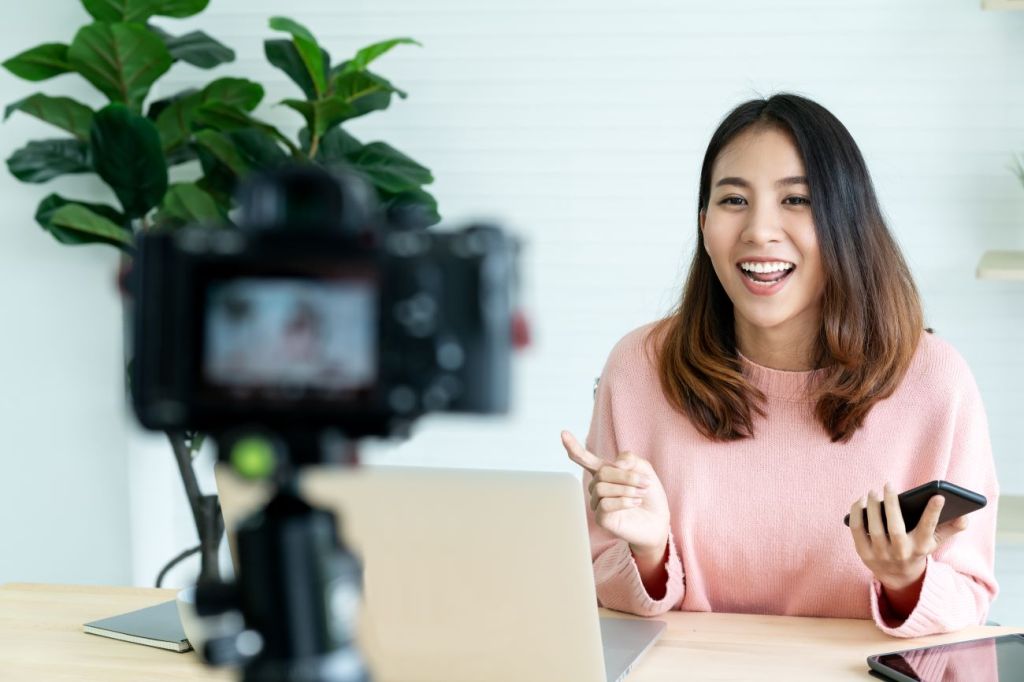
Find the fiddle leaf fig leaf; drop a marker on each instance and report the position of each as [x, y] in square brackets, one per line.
[372, 52]
[40, 63]
[323, 114]
[365, 91]
[127, 154]
[73, 236]
[220, 146]
[42, 160]
[89, 226]
[190, 204]
[336, 145]
[195, 48]
[389, 169]
[309, 51]
[121, 60]
[63, 112]
[141, 10]
[284, 55]
[236, 92]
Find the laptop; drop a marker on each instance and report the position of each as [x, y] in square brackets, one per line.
[469, 575]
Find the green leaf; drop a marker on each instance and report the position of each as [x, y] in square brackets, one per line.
[335, 146]
[365, 91]
[128, 156]
[236, 92]
[190, 204]
[371, 52]
[415, 208]
[227, 118]
[309, 51]
[63, 112]
[181, 8]
[159, 106]
[284, 55]
[41, 160]
[175, 121]
[177, 118]
[120, 10]
[196, 48]
[321, 115]
[389, 169]
[52, 203]
[78, 218]
[40, 63]
[221, 147]
[141, 10]
[258, 149]
[121, 60]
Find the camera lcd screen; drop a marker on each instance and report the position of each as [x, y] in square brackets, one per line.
[288, 339]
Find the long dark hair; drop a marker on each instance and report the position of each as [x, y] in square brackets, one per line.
[871, 313]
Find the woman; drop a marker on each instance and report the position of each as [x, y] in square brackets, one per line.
[728, 440]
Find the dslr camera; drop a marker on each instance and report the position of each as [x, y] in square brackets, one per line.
[319, 313]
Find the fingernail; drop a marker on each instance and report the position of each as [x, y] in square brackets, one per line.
[887, 488]
[634, 502]
[644, 482]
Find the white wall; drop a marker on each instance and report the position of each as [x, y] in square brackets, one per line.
[581, 124]
[64, 483]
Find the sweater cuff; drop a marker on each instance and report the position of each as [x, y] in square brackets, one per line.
[620, 587]
[929, 616]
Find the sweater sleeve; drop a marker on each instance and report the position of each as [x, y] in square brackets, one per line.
[616, 575]
[959, 582]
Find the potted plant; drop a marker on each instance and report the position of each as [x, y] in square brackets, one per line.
[130, 143]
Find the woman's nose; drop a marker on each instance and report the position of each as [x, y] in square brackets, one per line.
[764, 225]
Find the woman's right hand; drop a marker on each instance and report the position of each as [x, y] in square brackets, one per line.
[626, 497]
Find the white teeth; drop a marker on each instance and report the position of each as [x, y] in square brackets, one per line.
[766, 267]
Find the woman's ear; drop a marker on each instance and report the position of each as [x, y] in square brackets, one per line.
[701, 217]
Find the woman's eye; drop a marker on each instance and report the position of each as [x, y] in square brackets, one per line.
[796, 201]
[733, 201]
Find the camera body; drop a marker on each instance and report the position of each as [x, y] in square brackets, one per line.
[317, 314]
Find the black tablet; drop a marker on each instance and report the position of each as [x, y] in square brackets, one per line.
[993, 659]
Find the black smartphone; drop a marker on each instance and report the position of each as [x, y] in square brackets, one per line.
[959, 501]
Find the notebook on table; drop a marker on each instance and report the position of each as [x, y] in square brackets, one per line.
[158, 626]
[469, 575]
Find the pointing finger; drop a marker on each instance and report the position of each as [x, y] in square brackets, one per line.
[579, 454]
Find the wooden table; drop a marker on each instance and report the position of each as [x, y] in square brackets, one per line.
[41, 639]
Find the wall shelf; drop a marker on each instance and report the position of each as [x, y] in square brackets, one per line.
[1002, 4]
[1002, 264]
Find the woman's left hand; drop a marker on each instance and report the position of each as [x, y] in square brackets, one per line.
[898, 558]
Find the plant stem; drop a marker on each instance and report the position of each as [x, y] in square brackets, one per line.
[314, 147]
[205, 509]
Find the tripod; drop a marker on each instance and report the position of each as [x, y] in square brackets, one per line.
[298, 587]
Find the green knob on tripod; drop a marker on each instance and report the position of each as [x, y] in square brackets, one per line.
[253, 457]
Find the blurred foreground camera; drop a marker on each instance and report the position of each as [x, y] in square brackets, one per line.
[314, 324]
[316, 313]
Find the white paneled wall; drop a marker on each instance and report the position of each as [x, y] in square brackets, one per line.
[581, 125]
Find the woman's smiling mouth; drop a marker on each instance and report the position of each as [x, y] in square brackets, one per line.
[765, 277]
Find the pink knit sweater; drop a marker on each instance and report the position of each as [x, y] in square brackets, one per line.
[757, 524]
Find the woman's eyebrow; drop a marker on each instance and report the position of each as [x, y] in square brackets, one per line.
[793, 180]
[740, 182]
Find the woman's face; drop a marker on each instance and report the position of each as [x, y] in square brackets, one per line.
[759, 232]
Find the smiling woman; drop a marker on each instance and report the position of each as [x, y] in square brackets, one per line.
[729, 438]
